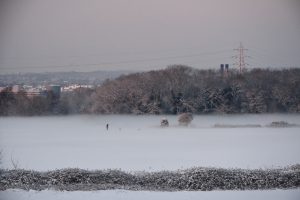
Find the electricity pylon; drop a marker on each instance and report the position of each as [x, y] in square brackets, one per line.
[240, 58]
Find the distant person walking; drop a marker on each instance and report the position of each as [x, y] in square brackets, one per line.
[107, 126]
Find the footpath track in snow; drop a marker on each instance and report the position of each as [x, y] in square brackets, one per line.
[193, 179]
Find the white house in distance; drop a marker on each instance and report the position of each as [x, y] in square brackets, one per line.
[73, 87]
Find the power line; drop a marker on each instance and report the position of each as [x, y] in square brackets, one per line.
[103, 54]
[124, 61]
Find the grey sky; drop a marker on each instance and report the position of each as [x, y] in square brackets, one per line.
[87, 35]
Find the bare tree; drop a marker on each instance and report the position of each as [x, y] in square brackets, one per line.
[14, 163]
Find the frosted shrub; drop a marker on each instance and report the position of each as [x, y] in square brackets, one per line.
[185, 119]
[164, 122]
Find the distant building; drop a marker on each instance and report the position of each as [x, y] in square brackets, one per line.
[33, 92]
[55, 90]
[2, 88]
[16, 88]
[224, 69]
[73, 87]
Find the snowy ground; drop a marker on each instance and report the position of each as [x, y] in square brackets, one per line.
[138, 143]
[130, 195]
[135, 143]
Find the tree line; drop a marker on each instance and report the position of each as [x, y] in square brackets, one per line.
[174, 90]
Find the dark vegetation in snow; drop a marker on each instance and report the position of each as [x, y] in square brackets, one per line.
[281, 124]
[190, 179]
[174, 90]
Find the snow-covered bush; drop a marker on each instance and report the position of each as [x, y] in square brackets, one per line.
[164, 122]
[185, 119]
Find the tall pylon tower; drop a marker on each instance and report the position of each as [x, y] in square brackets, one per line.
[240, 57]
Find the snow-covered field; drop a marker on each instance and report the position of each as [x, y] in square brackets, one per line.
[138, 143]
[137, 195]
[135, 143]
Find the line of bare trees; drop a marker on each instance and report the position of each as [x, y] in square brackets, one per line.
[174, 90]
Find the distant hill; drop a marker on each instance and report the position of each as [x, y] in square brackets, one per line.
[61, 78]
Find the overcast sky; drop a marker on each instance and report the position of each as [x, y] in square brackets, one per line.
[88, 35]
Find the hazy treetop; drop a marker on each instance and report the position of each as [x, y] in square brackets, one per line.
[80, 35]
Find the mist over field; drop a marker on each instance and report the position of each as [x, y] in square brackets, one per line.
[134, 143]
